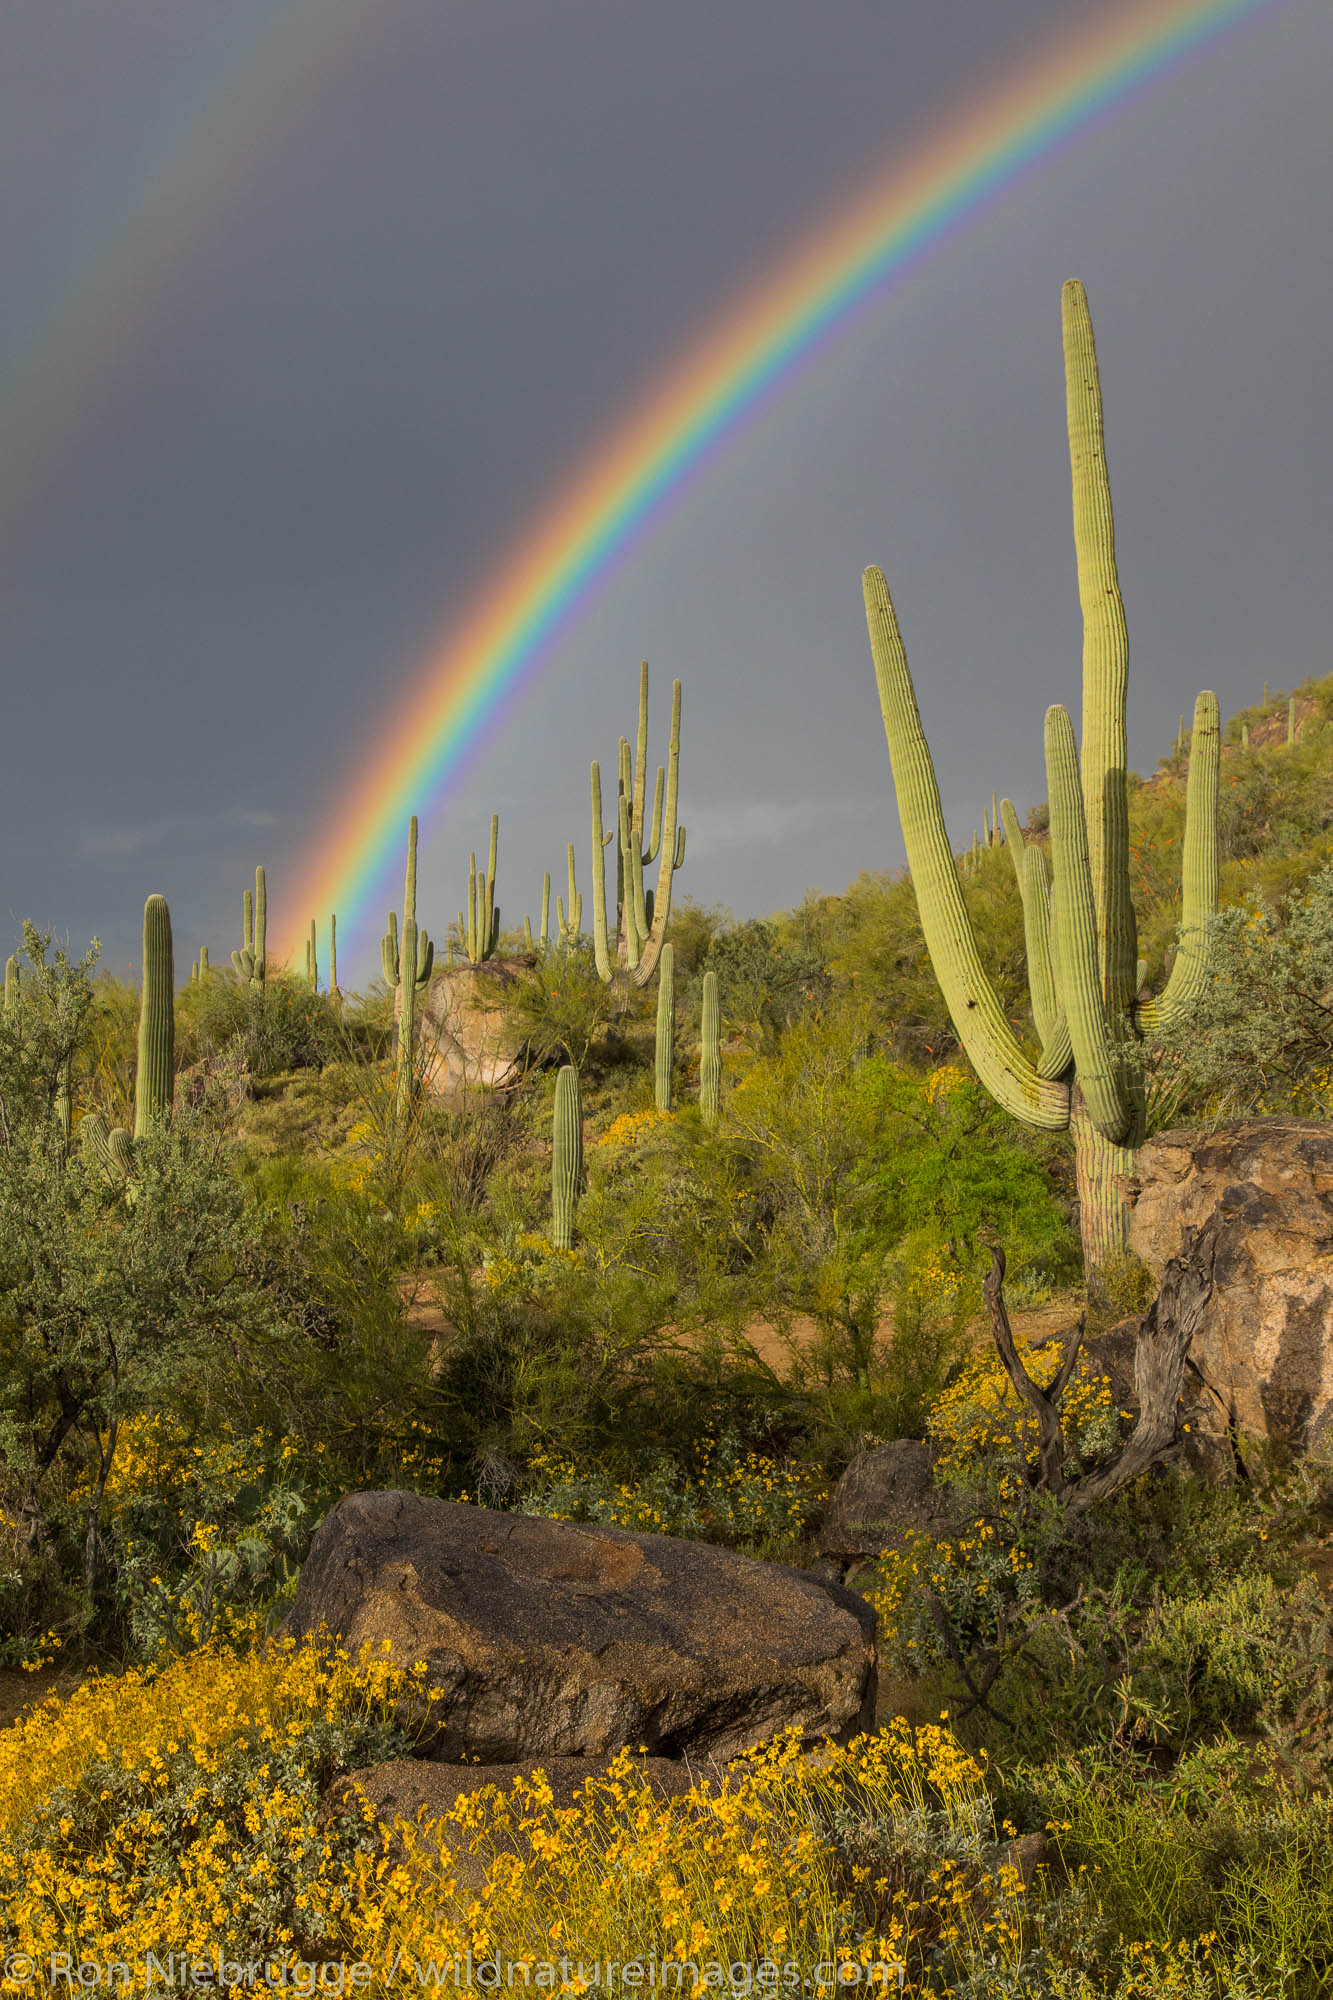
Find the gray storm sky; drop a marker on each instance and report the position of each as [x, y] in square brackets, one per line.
[250, 473]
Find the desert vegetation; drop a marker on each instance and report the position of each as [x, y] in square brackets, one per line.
[759, 1200]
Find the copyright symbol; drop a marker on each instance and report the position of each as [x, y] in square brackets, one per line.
[19, 1967]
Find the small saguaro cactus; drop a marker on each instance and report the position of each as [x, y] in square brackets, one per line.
[710, 1052]
[666, 1030]
[13, 988]
[408, 966]
[479, 930]
[251, 961]
[155, 1076]
[1291, 720]
[569, 922]
[111, 1152]
[641, 916]
[566, 1156]
[312, 960]
[1244, 735]
[1080, 931]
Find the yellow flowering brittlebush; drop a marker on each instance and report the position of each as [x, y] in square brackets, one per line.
[179, 1807]
[984, 1435]
[881, 1856]
[631, 1126]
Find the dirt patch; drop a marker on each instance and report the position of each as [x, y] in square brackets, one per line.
[20, 1692]
[783, 1349]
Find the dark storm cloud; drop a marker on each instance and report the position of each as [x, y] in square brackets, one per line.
[488, 235]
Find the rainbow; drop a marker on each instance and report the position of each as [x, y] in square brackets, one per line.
[483, 662]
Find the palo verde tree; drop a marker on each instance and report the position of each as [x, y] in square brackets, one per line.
[1080, 933]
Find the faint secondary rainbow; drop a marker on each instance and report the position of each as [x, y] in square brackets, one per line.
[484, 659]
[280, 71]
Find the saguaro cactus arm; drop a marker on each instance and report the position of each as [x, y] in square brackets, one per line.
[600, 840]
[975, 1010]
[1035, 891]
[1199, 873]
[1076, 939]
[1105, 661]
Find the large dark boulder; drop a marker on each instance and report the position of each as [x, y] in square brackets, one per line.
[1261, 1363]
[886, 1492]
[551, 1638]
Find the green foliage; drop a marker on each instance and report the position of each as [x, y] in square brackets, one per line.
[1219, 1849]
[860, 1173]
[112, 1295]
[767, 984]
[1262, 1038]
[561, 1007]
[741, 1499]
[267, 1028]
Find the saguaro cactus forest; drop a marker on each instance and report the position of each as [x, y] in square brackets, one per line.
[1079, 929]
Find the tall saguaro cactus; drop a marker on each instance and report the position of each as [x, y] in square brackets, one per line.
[155, 1077]
[710, 1055]
[641, 914]
[408, 964]
[566, 1156]
[251, 961]
[479, 930]
[312, 959]
[666, 1030]
[1083, 969]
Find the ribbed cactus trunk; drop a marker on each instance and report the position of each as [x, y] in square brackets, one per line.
[156, 1074]
[1102, 1170]
[666, 1030]
[13, 988]
[566, 1157]
[710, 1053]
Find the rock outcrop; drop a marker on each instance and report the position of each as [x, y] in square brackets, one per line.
[468, 1041]
[1262, 1362]
[887, 1491]
[551, 1638]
